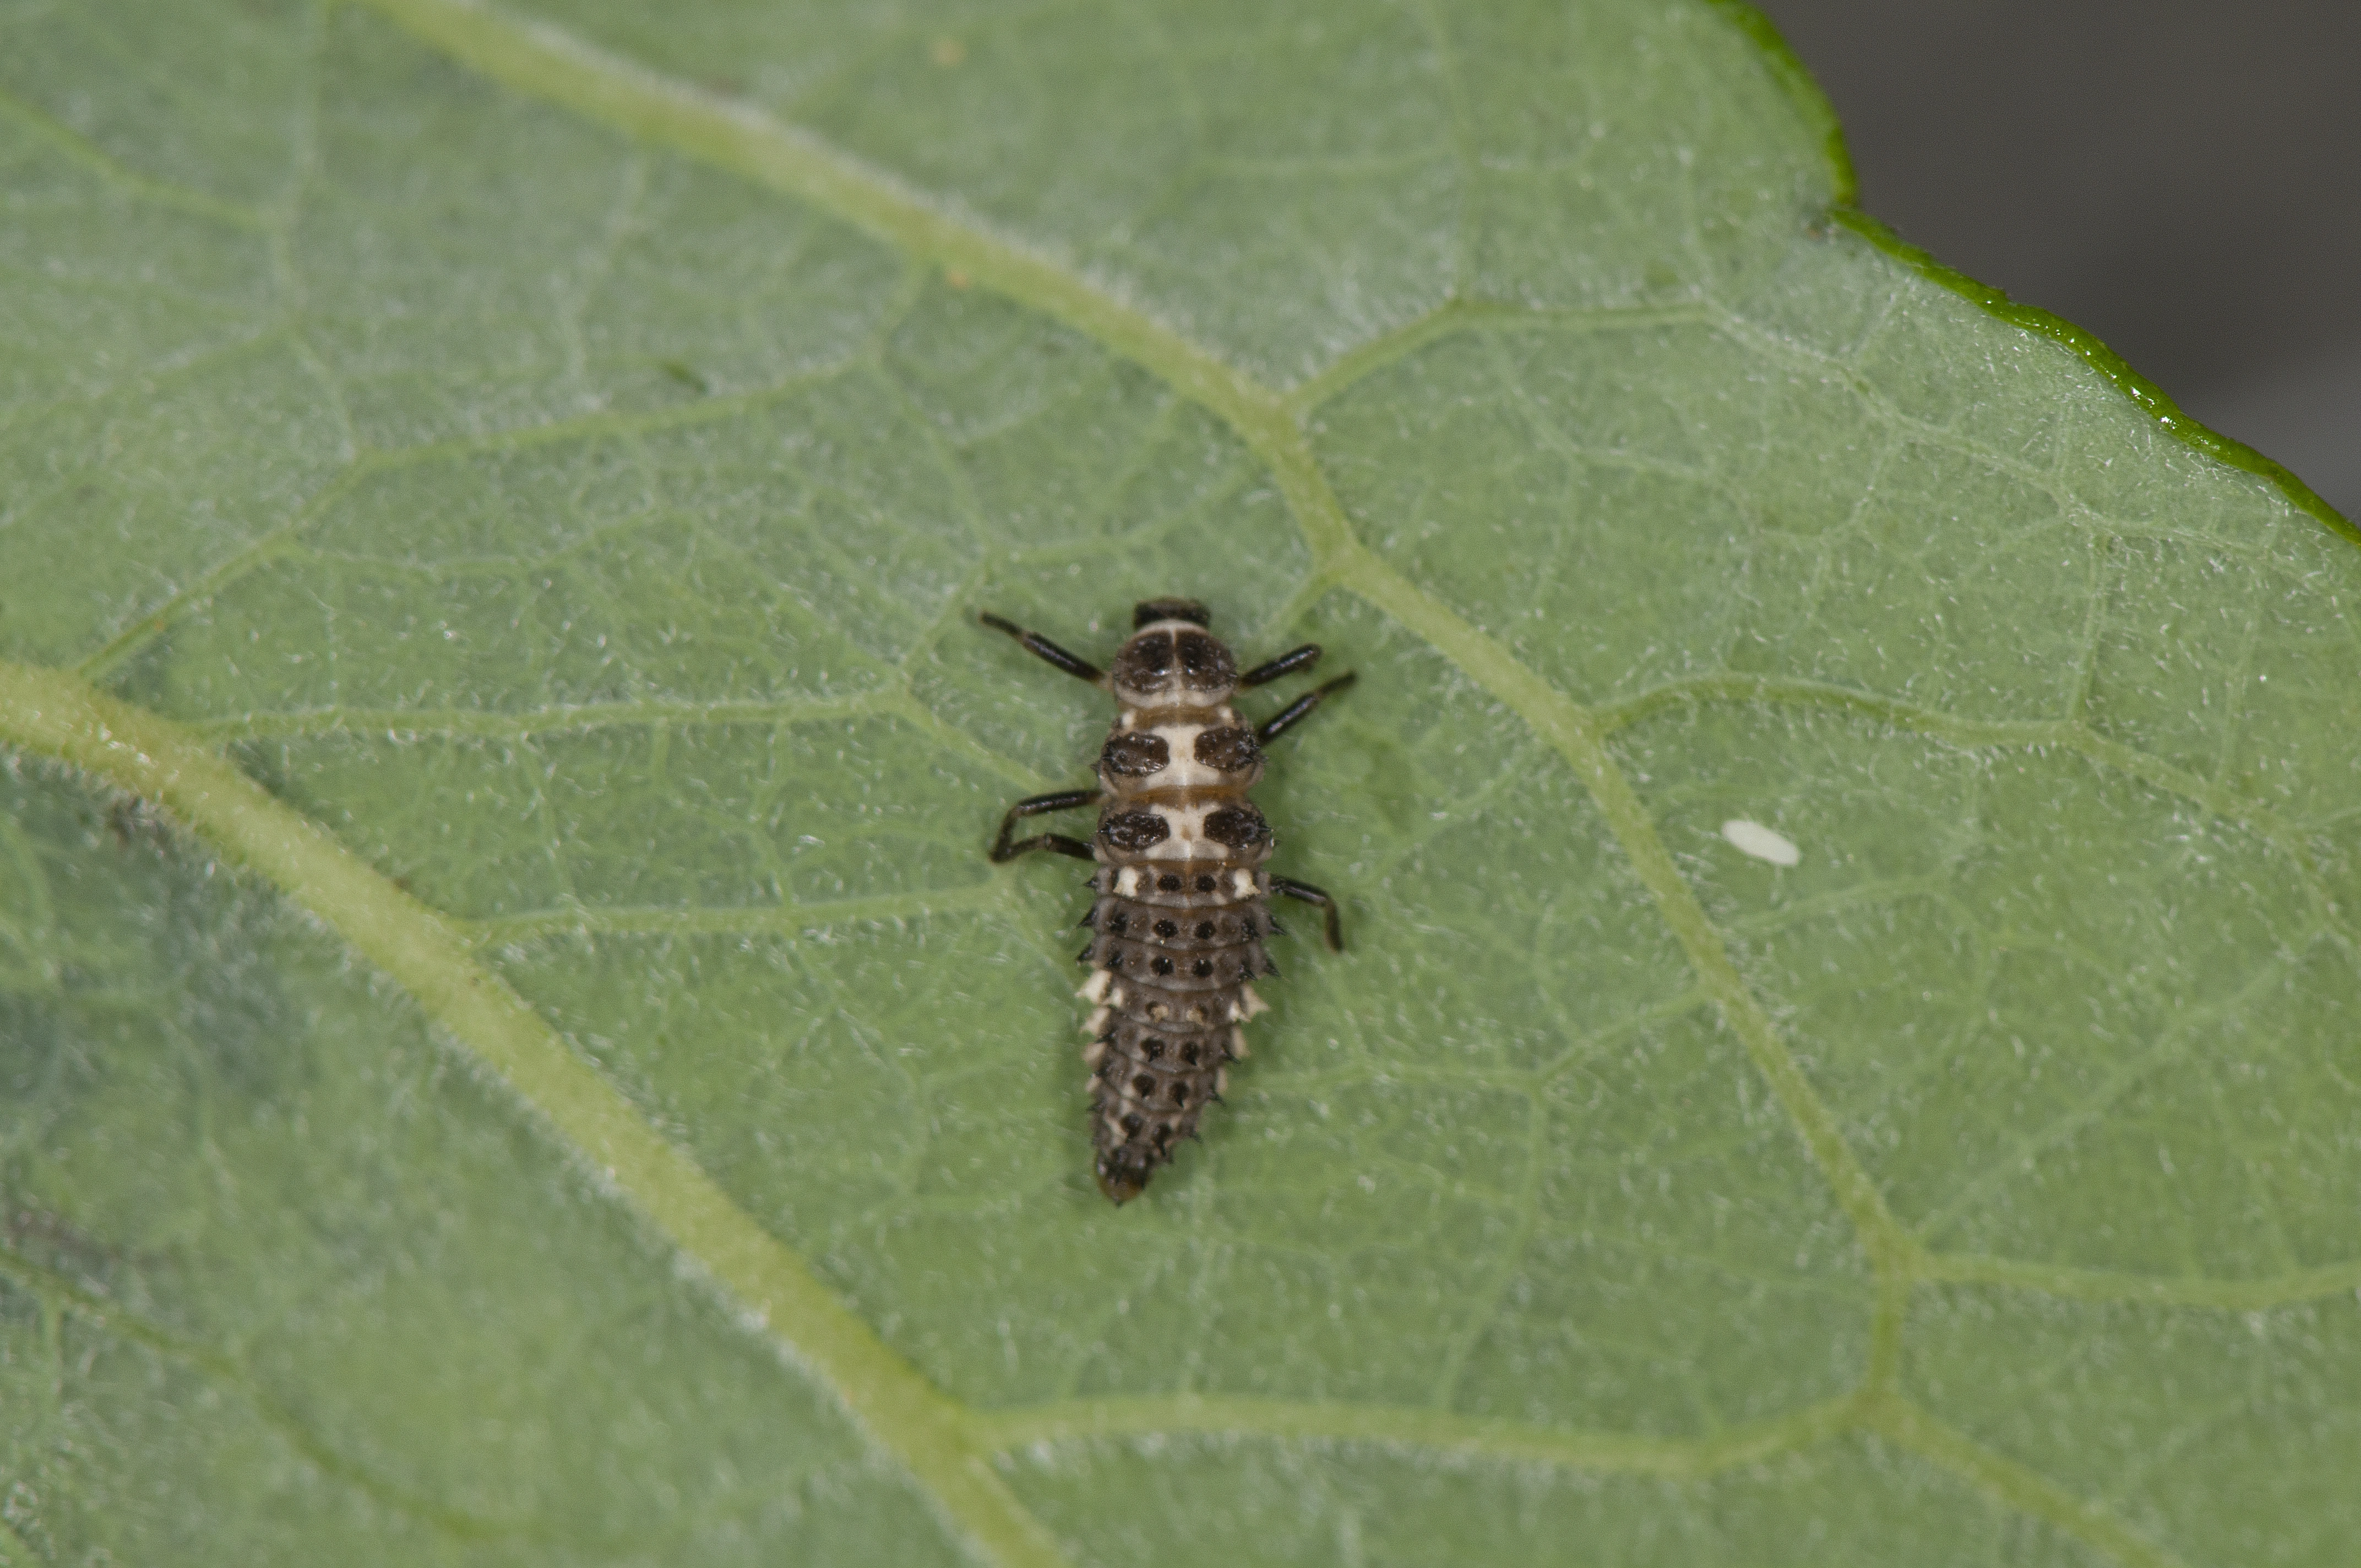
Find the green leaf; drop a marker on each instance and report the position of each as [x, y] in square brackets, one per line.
[511, 1051]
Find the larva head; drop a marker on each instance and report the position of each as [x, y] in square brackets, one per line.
[1173, 659]
[1146, 612]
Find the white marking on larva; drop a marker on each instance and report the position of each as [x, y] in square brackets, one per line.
[1095, 989]
[1182, 770]
[1242, 883]
[1762, 843]
[1185, 833]
[1247, 1005]
[1094, 1053]
[1238, 1044]
[1097, 1022]
[1221, 1080]
[1114, 996]
[1126, 880]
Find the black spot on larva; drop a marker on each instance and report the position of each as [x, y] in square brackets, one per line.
[1144, 1085]
[1162, 965]
[1170, 884]
[1205, 882]
[1231, 751]
[1134, 754]
[1189, 1053]
[1205, 664]
[1165, 929]
[1132, 1122]
[1144, 665]
[1117, 921]
[1152, 1047]
[1240, 827]
[1180, 1093]
[1137, 829]
[1204, 929]
[1201, 968]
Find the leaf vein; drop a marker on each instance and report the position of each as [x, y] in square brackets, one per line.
[53, 714]
[1427, 1431]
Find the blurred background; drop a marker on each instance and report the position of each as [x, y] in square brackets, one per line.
[2181, 177]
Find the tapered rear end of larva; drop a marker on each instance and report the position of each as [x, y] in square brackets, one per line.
[1121, 1180]
[1158, 1057]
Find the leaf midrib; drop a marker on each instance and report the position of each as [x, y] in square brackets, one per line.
[58, 715]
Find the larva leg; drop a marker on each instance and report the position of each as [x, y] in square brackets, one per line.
[1064, 800]
[1293, 713]
[1035, 643]
[1288, 888]
[1287, 663]
[1056, 843]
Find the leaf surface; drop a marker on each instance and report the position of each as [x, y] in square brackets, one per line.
[510, 1050]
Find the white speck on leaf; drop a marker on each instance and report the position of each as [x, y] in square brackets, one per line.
[1762, 843]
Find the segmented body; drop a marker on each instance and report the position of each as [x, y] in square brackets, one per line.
[1182, 895]
[1181, 910]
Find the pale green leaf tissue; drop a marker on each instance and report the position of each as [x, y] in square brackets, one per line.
[511, 1051]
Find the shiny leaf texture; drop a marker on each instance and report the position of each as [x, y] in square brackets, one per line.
[511, 1051]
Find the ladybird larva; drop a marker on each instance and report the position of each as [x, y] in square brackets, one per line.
[1182, 908]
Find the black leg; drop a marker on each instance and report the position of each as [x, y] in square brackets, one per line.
[1287, 717]
[1037, 643]
[1287, 888]
[1057, 843]
[1064, 800]
[1287, 663]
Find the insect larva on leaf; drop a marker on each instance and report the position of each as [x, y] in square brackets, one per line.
[1182, 908]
